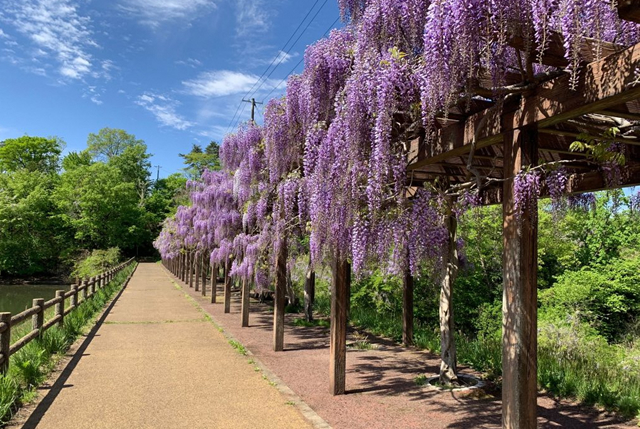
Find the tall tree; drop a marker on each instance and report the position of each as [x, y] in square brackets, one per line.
[30, 153]
[110, 142]
[198, 160]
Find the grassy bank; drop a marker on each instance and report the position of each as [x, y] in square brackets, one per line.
[570, 365]
[32, 364]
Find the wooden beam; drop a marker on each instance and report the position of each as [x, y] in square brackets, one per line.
[519, 307]
[552, 131]
[619, 114]
[629, 10]
[338, 336]
[554, 54]
[214, 283]
[602, 84]
[281, 290]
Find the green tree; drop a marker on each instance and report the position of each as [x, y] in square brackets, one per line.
[32, 237]
[101, 207]
[76, 159]
[198, 160]
[110, 142]
[31, 154]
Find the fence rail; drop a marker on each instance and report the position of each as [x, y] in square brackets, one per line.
[38, 325]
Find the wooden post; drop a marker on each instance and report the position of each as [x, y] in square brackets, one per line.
[245, 303]
[214, 283]
[519, 305]
[74, 298]
[5, 341]
[338, 336]
[227, 287]
[93, 285]
[60, 308]
[407, 308]
[84, 290]
[37, 320]
[203, 270]
[197, 264]
[191, 266]
[279, 298]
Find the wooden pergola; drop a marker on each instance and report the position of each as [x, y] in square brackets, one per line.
[527, 129]
[496, 139]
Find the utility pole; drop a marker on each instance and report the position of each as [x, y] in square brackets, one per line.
[158, 172]
[253, 108]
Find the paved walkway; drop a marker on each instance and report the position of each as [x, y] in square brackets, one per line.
[157, 362]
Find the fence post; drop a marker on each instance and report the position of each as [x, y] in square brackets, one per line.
[5, 341]
[93, 285]
[37, 320]
[60, 308]
[84, 290]
[74, 297]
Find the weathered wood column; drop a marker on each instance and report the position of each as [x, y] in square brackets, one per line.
[309, 293]
[246, 286]
[448, 354]
[407, 308]
[338, 337]
[5, 341]
[192, 267]
[227, 286]
[519, 305]
[214, 282]
[198, 270]
[281, 291]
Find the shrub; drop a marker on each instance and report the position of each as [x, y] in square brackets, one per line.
[97, 262]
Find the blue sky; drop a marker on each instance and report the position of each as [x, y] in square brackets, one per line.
[172, 72]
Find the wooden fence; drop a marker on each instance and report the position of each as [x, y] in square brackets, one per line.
[86, 289]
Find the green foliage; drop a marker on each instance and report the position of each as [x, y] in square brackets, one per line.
[599, 148]
[31, 154]
[74, 160]
[101, 207]
[30, 234]
[606, 297]
[198, 160]
[110, 142]
[97, 262]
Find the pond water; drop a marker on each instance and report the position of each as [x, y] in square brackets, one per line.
[17, 298]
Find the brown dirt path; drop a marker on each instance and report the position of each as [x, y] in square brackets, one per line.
[158, 362]
[381, 392]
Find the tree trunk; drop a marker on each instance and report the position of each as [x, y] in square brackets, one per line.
[448, 365]
[309, 293]
[407, 308]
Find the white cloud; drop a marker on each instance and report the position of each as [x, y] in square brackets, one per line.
[283, 57]
[164, 109]
[252, 16]
[3, 35]
[57, 30]
[191, 62]
[222, 82]
[155, 12]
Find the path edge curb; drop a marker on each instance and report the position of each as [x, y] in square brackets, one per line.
[307, 412]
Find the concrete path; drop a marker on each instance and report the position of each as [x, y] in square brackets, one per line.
[158, 362]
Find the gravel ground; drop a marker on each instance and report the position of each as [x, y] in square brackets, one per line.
[381, 391]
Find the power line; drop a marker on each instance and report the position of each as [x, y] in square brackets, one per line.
[296, 66]
[231, 123]
[283, 48]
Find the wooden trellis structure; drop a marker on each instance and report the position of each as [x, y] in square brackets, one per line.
[528, 129]
[496, 140]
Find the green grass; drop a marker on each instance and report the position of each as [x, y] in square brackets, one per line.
[315, 322]
[239, 347]
[30, 366]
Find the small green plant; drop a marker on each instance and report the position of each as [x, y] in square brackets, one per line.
[239, 347]
[361, 342]
[315, 322]
[420, 380]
